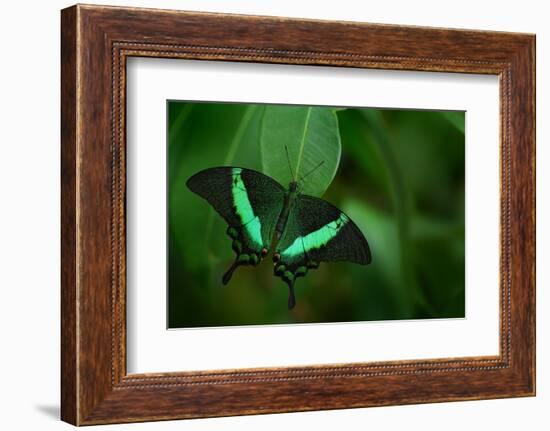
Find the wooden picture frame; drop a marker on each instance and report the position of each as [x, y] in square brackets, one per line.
[95, 43]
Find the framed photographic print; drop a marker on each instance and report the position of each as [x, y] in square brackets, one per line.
[269, 215]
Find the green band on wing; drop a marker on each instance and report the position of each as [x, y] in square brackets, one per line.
[250, 222]
[314, 240]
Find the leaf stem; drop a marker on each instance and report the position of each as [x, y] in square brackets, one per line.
[238, 137]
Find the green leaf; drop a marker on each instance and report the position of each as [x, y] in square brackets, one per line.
[311, 136]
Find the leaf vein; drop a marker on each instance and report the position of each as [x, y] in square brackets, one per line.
[302, 143]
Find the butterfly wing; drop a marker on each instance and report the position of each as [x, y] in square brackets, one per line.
[317, 231]
[249, 201]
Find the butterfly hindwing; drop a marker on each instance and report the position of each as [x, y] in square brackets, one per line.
[250, 203]
[315, 232]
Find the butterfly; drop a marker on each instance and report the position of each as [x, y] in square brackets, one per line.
[259, 211]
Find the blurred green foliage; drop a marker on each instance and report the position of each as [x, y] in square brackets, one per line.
[400, 178]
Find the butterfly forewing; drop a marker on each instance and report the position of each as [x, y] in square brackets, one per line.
[250, 203]
[266, 198]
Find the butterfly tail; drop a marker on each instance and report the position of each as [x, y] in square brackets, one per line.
[289, 278]
[229, 273]
[291, 297]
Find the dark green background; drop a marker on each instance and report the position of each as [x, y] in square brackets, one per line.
[401, 179]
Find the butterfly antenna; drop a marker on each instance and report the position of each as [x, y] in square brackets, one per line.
[313, 170]
[288, 160]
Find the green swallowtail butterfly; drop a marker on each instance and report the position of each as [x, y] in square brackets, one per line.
[305, 230]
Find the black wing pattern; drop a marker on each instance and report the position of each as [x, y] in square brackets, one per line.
[249, 201]
[317, 231]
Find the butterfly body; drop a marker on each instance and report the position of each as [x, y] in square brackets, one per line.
[304, 230]
[290, 198]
